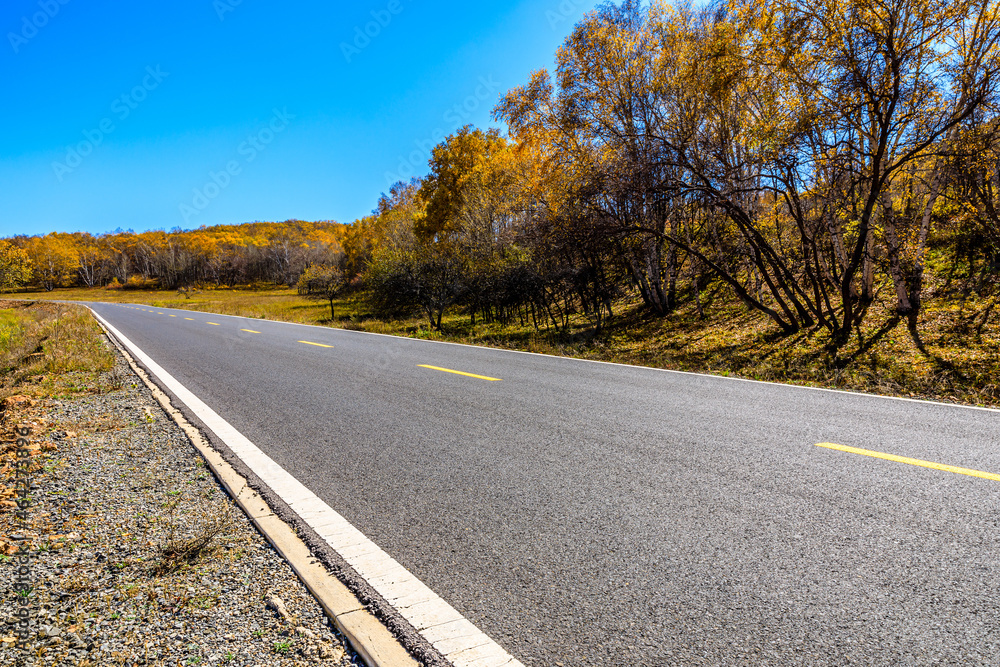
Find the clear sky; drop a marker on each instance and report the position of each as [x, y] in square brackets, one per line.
[155, 115]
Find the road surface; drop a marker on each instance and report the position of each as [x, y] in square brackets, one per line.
[596, 514]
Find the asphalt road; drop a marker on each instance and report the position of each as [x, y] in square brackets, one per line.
[597, 514]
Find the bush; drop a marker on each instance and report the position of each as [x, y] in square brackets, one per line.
[427, 277]
[141, 283]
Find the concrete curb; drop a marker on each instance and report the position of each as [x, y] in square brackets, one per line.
[376, 645]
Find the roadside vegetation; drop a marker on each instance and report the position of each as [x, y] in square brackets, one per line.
[51, 350]
[789, 190]
[960, 361]
[133, 544]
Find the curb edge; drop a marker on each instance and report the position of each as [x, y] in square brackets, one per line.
[372, 640]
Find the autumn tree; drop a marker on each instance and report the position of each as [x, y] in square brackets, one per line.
[457, 163]
[793, 149]
[391, 225]
[888, 85]
[425, 275]
[973, 179]
[92, 260]
[322, 281]
[53, 258]
[15, 266]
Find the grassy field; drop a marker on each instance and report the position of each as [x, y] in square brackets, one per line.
[961, 363]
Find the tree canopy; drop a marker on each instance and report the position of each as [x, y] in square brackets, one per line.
[816, 159]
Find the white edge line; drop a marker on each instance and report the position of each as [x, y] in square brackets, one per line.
[592, 361]
[370, 564]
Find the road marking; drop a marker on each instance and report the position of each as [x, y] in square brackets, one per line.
[913, 462]
[461, 642]
[316, 344]
[189, 318]
[448, 370]
[631, 367]
[249, 330]
[172, 315]
[214, 324]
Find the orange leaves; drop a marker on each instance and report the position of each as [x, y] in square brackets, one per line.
[165, 258]
[53, 258]
[15, 266]
[463, 160]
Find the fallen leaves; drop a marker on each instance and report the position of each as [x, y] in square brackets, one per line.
[19, 401]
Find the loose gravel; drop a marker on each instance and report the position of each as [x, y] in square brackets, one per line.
[139, 555]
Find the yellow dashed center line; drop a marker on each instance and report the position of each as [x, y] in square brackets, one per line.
[173, 316]
[189, 318]
[316, 344]
[448, 370]
[913, 462]
[249, 330]
[214, 324]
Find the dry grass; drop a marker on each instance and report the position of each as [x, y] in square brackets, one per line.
[179, 546]
[49, 349]
[271, 303]
[962, 362]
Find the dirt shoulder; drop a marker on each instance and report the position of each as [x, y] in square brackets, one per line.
[135, 553]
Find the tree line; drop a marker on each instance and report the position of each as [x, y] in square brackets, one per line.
[813, 158]
[223, 255]
[819, 160]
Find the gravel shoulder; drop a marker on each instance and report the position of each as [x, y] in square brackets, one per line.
[138, 556]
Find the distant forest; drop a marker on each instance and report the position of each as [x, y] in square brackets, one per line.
[223, 255]
[824, 162]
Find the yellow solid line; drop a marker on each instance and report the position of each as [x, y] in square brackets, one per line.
[249, 330]
[914, 462]
[448, 370]
[214, 324]
[316, 344]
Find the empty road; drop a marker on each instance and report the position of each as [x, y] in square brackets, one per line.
[595, 514]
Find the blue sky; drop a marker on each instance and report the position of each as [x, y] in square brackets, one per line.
[199, 112]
